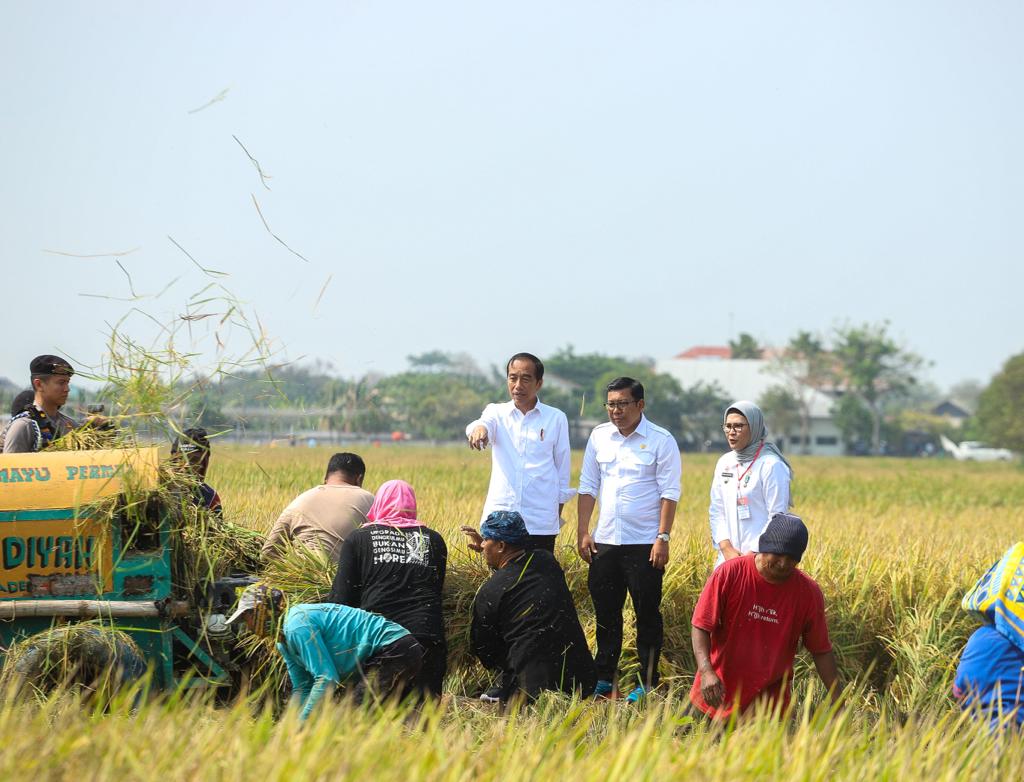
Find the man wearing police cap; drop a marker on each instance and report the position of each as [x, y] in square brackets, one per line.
[41, 423]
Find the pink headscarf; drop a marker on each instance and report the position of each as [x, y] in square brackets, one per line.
[394, 505]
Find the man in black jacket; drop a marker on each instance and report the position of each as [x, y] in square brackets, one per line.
[524, 620]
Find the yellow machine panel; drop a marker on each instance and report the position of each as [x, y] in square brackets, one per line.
[68, 479]
[55, 557]
[49, 547]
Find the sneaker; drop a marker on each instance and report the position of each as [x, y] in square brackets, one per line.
[637, 694]
[603, 689]
[492, 694]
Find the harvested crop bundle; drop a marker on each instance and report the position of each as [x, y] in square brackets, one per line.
[86, 655]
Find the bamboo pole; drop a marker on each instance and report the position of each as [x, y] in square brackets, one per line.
[88, 609]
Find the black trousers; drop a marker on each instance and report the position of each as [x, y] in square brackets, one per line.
[614, 572]
[390, 669]
[429, 680]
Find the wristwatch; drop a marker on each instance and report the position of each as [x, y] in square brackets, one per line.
[664, 536]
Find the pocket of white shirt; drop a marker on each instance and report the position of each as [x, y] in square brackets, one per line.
[642, 463]
[535, 446]
[605, 460]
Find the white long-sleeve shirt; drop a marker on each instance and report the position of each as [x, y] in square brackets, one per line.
[529, 463]
[739, 513]
[629, 477]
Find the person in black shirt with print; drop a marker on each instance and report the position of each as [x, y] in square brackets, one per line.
[395, 566]
[524, 620]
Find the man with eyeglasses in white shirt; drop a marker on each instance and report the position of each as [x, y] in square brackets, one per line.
[529, 455]
[632, 467]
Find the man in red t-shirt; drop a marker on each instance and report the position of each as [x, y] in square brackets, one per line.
[749, 621]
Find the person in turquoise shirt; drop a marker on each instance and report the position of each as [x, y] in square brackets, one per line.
[325, 644]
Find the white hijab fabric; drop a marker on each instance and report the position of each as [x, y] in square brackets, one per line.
[758, 433]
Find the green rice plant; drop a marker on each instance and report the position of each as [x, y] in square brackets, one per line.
[177, 738]
[924, 650]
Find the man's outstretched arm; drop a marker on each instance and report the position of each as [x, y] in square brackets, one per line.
[711, 688]
[825, 664]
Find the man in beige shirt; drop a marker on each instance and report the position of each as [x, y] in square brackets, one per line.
[324, 515]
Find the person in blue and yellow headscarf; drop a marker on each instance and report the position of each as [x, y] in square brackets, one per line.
[990, 676]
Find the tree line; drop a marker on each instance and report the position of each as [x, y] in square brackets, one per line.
[441, 392]
[878, 399]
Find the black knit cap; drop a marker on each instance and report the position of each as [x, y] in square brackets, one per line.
[50, 365]
[785, 534]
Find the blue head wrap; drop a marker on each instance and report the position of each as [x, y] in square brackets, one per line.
[506, 526]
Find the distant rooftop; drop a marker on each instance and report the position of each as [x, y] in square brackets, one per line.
[740, 378]
[719, 352]
[707, 351]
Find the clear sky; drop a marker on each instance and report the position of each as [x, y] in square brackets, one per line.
[629, 178]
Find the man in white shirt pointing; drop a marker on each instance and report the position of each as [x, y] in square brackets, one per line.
[529, 454]
[632, 467]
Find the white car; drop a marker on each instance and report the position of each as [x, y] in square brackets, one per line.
[973, 451]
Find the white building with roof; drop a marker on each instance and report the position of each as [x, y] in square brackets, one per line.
[749, 379]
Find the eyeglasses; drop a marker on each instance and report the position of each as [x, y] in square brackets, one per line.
[733, 427]
[619, 405]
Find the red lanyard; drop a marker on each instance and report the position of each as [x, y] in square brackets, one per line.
[744, 475]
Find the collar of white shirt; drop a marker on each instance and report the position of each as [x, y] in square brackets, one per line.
[643, 429]
[511, 409]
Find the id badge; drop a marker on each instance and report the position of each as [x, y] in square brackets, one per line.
[743, 508]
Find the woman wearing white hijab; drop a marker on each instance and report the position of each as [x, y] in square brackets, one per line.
[750, 484]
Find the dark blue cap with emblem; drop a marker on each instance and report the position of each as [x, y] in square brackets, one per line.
[49, 365]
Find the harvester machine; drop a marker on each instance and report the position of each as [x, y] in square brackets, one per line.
[72, 549]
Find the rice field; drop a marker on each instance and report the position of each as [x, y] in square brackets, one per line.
[894, 545]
